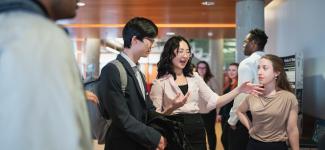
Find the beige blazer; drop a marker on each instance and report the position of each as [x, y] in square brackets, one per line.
[201, 100]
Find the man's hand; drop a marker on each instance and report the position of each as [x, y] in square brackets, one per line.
[162, 143]
[91, 97]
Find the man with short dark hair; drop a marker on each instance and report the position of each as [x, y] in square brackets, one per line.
[254, 44]
[42, 104]
[130, 110]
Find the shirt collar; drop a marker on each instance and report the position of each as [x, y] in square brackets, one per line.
[128, 59]
[258, 53]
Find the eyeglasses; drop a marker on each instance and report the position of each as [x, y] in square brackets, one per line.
[152, 42]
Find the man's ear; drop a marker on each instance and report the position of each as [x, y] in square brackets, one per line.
[254, 44]
[134, 40]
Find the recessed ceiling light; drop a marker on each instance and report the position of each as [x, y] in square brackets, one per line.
[170, 33]
[80, 4]
[207, 3]
[210, 34]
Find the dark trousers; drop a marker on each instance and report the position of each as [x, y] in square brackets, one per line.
[259, 145]
[238, 138]
[193, 129]
[210, 122]
[225, 133]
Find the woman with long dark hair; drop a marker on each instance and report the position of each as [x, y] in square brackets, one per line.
[274, 112]
[183, 95]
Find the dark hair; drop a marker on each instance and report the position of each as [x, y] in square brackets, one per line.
[259, 37]
[208, 75]
[165, 64]
[278, 66]
[139, 27]
[234, 64]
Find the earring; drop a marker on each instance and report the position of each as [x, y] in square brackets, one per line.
[276, 77]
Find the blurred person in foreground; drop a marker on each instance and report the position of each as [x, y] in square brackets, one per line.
[43, 101]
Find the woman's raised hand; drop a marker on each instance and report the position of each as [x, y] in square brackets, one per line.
[180, 100]
[249, 88]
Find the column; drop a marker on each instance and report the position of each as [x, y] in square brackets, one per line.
[216, 61]
[249, 15]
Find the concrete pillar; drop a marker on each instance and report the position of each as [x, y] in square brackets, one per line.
[216, 61]
[249, 15]
[91, 58]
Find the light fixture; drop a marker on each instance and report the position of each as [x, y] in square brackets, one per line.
[210, 34]
[208, 2]
[80, 4]
[170, 33]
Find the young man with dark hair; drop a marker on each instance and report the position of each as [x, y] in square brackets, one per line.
[42, 100]
[254, 44]
[132, 108]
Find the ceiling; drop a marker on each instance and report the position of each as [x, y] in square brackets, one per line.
[105, 18]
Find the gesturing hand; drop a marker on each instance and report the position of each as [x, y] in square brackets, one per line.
[91, 97]
[162, 143]
[249, 88]
[180, 100]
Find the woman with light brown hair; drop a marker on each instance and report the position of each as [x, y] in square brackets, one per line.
[275, 112]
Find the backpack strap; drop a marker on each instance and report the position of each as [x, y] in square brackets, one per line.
[123, 77]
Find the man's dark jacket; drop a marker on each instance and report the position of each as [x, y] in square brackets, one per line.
[129, 113]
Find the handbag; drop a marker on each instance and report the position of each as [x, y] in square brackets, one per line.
[172, 131]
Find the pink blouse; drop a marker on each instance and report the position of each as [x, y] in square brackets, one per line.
[201, 100]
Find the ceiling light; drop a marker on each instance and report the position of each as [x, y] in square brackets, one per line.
[80, 4]
[170, 33]
[207, 2]
[210, 34]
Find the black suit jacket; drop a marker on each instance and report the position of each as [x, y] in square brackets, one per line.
[129, 113]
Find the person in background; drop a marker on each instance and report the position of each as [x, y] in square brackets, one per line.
[42, 103]
[226, 79]
[275, 112]
[209, 119]
[232, 75]
[182, 95]
[247, 71]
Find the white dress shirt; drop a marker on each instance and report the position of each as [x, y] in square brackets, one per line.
[136, 71]
[247, 71]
